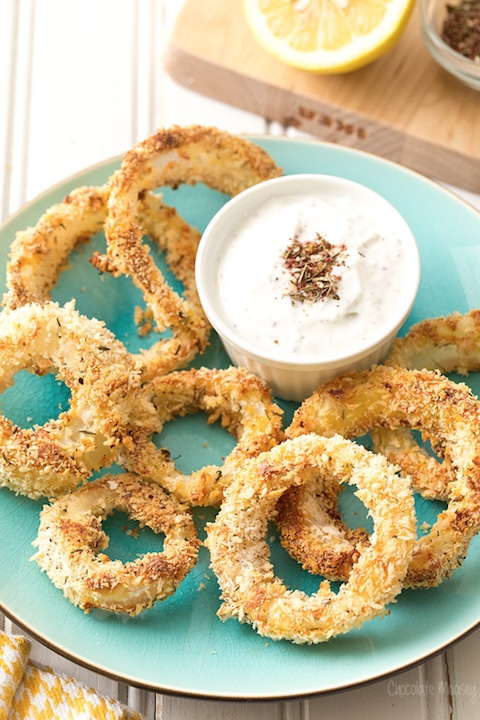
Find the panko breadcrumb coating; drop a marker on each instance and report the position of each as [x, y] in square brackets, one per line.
[445, 412]
[240, 556]
[40, 253]
[106, 399]
[171, 157]
[72, 544]
[241, 401]
[448, 344]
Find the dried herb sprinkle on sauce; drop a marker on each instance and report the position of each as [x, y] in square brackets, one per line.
[461, 28]
[311, 267]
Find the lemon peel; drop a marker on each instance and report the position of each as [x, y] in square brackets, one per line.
[327, 36]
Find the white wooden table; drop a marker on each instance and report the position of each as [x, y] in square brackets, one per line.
[81, 82]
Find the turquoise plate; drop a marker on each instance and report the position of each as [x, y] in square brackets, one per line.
[180, 646]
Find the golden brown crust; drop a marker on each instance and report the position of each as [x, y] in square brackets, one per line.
[39, 254]
[445, 412]
[182, 315]
[240, 555]
[430, 474]
[449, 344]
[70, 540]
[171, 157]
[192, 154]
[313, 532]
[106, 400]
[243, 404]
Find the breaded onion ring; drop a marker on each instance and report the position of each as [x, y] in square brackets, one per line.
[171, 157]
[71, 542]
[448, 344]
[430, 475]
[445, 412]
[240, 555]
[240, 400]
[39, 254]
[105, 404]
[179, 240]
[313, 532]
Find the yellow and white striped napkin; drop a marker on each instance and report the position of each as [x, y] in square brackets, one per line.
[29, 691]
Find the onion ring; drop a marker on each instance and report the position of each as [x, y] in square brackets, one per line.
[171, 157]
[448, 344]
[443, 411]
[39, 254]
[240, 555]
[430, 476]
[106, 401]
[71, 542]
[240, 400]
[313, 532]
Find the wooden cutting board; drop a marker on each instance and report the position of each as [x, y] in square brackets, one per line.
[403, 107]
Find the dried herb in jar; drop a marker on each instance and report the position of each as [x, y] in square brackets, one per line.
[311, 266]
[461, 28]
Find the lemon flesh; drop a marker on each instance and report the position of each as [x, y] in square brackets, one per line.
[329, 36]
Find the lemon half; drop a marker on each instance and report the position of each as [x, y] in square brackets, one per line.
[329, 36]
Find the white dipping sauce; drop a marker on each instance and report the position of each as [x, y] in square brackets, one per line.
[254, 285]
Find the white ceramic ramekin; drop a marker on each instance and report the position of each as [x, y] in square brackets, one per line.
[295, 378]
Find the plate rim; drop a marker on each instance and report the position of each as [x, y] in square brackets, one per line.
[181, 693]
